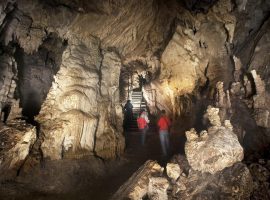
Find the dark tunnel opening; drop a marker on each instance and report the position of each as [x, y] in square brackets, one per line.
[36, 73]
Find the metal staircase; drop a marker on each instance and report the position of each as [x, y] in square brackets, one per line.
[138, 102]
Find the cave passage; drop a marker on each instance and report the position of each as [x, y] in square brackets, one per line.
[78, 78]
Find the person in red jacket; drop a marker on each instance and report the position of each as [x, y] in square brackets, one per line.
[164, 124]
[143, 126]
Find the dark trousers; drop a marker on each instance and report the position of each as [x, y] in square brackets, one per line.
[6, 111]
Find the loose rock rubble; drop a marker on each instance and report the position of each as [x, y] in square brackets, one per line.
[233, 182]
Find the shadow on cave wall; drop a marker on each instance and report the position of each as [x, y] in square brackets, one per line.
[36, 73]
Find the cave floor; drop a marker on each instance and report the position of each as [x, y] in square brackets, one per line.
[90, 178]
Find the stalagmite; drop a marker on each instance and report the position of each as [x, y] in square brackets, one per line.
[219, 149]
[261, 102]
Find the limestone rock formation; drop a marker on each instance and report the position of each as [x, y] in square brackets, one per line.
[37, 72]
[109, 141]
[78, 61]
[173, 171]
[73, 120]
[191, 59]
[215, 149]
[233, 182]
[260, 172]
[8, 77]
[137, 185]
[157, 188]
[261, 102]
[104, 19]
[67, 116]
[17, 139]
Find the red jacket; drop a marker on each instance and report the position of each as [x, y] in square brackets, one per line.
[164, 123]
[141, 123]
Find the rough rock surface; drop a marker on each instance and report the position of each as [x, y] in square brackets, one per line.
[233, 182]
[191, 59]
[144, 31]
[185, 48]
[72, 118]
[144, 25]
[17, 139]
[261, 102]
[109, 141]
[173, 171]
[157, 188]
[260, 172]
[8, 77]
[137, 185]
[36, 73]
[214, 149]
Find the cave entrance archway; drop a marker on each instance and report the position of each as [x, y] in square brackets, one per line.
[135, 81]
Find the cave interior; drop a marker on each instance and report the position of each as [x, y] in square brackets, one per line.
[68, 69]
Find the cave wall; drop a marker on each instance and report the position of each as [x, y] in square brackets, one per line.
[75, 117]
[36, 72]
[8, 77]
[199, 54]
[187, 47]
[221, 45]
[8, 83]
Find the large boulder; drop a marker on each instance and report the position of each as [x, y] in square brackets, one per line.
[157, 188]
[17, 139]
[214, 149]
[146, 177]
[233, 182]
